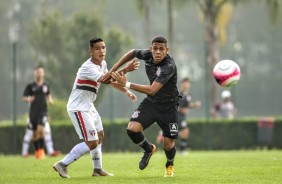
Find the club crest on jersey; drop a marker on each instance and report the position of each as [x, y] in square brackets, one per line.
[44, 88]
[173, 127]
[158, 73]
[92, 132]
[135, 114]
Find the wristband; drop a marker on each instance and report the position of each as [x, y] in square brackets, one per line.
[127, 84]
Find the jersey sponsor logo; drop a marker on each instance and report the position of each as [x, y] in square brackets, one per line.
[173, 127]
[135, 114]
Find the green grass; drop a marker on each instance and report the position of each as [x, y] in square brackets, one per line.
[259, 166]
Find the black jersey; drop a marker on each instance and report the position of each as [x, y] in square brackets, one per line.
[184, 102]
[165, 73]
[38, 108]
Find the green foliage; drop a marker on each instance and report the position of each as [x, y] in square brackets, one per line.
[61, 45]
[58, 111]
[197, 167]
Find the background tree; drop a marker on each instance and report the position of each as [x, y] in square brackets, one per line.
[61, 45]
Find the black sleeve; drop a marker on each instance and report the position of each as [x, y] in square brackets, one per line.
[28, 91]
[166, 71]
[143, 54]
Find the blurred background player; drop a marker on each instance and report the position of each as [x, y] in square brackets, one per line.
[84, 116]
[36, 94]
[225, 108]
[184, 105]
[47, 139]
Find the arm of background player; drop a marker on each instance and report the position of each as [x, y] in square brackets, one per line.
[131, 95]
[28, 99]
[50, 99]
[147, 89]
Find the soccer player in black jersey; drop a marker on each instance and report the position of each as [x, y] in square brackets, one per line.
[37, 94]
[161, 102]
[185, 104]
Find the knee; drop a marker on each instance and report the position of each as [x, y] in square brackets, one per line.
[135, 127]
[92, 144]
[100, 136]
[168, 145]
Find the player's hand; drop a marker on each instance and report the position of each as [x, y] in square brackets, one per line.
[133, 65]
[119, 78]
[131, 95]
[198, 104]
[31, 99]
[107, 77]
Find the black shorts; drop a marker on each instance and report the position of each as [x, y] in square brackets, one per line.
[148, 113]
[35, 121]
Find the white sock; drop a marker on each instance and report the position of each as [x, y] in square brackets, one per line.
[96, 155]
[49, 143]
[26, 141]
[76, 152]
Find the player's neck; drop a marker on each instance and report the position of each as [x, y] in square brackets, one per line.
[39, 82]
[96, 62]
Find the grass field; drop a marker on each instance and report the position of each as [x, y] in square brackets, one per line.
[196, 167]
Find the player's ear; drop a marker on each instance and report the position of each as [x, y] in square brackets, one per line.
[151, 48]
[167, 49]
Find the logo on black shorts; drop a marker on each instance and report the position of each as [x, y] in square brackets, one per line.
[135, 114]
[173, 127]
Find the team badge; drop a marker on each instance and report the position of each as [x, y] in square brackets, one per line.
[44, 88]
[135, 114]
[92, 132]
[173, 127]
[158, 73]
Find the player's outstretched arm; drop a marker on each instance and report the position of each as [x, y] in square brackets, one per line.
[128, 93]
[131, 66]
[146, 89]
[124, 59]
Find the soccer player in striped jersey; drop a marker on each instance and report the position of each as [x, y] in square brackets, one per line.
[82, 112]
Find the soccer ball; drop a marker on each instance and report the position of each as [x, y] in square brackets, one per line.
[226, 73]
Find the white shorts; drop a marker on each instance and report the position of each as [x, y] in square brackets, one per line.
[86, 124]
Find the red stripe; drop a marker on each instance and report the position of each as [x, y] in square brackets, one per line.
[83, 125]
[80, 81]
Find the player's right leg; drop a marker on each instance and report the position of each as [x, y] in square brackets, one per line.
[141, 119]
[49, 142]
[26, 141]
[84, 126]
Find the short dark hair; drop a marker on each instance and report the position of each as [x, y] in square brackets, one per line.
[94, 40]
[38, 66]
[186, 79]
[159, 39]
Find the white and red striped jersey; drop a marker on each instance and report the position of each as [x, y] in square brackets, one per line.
[85, 86]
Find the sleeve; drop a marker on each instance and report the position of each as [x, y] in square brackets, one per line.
[166, 71]
[91, 73]
[143, 54]
[27, 91]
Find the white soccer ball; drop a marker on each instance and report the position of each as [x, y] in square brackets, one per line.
[226, 73]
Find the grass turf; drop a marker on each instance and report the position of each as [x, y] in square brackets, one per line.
[259, 166]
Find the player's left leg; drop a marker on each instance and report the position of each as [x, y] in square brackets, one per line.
[49, 142]
[170, 152]
[167, 120]
[96, 154]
